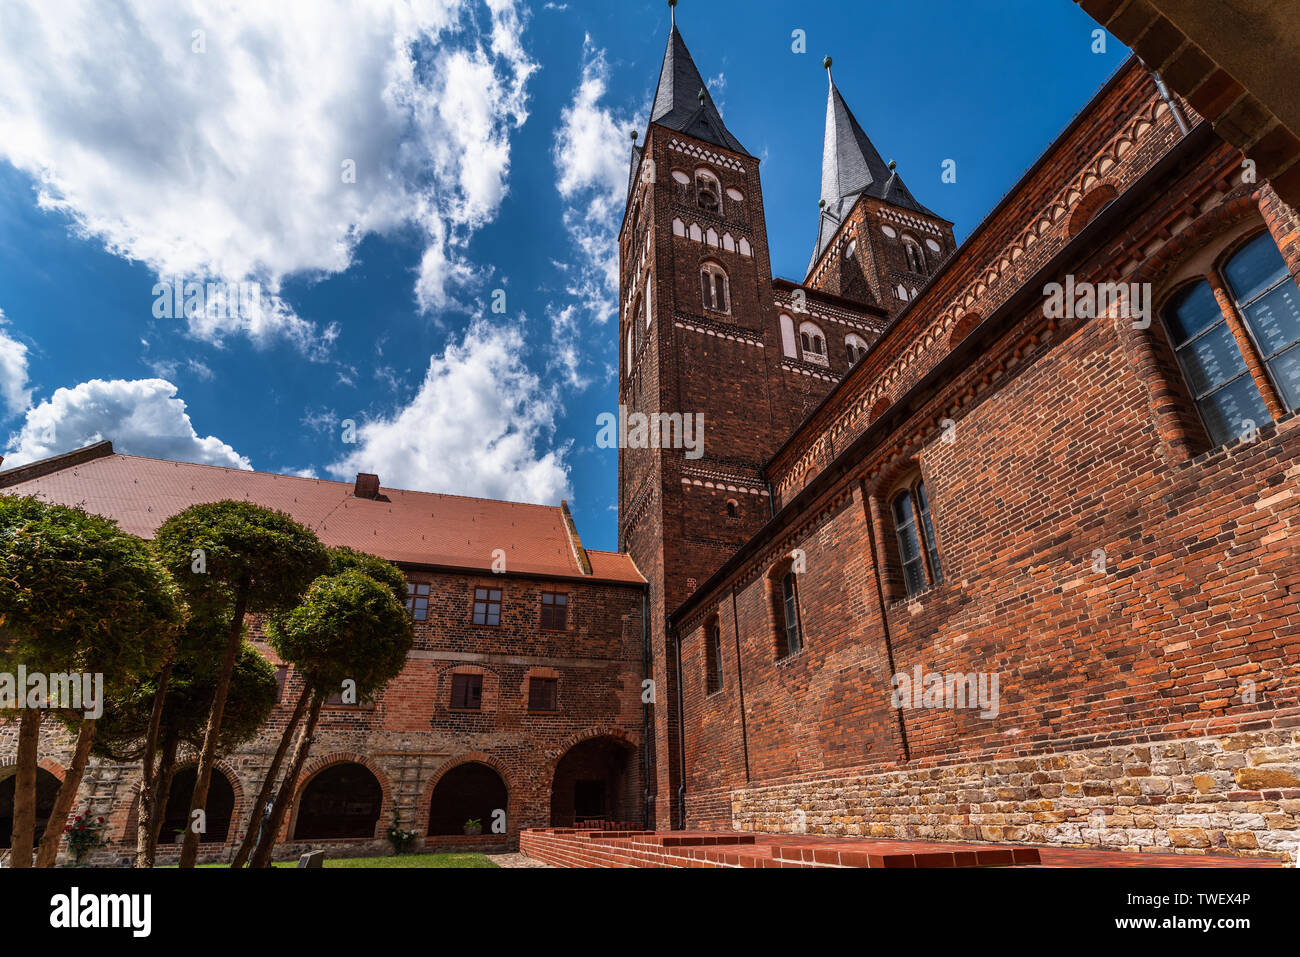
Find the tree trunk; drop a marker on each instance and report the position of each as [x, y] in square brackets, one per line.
[149, 780]
[166, 772]
[208, 756]
[24, 832]
[268, 784]
[262, 856]
[53, 836]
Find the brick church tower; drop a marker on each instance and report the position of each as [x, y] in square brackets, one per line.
[697, 330]
[707, 336]
[876, 244]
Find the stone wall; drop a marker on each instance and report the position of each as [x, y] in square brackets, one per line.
[1236, 794]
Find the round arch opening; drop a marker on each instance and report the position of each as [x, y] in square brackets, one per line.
[341, 802]
[471, 791]
[47, 789]
[594, 783]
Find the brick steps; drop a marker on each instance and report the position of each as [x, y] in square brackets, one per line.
[571, 847]
[577, 847]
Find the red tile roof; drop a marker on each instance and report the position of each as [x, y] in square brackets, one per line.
[416, 528]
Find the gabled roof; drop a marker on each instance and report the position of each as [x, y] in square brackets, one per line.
[411, 528]
[677, 99]
[851, 166]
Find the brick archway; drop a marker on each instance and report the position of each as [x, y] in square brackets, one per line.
[317, 765]
[469, 757]
[591, 775]
[477, 795]
[131, 818]
[49, 778]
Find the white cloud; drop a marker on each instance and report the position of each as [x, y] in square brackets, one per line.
[15, 390]
[140, 417]
[592, 152]
[477, 426]
[228, 163]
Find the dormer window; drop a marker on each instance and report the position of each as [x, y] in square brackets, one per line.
[708, 191]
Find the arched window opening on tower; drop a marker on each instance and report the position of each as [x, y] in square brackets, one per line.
[813, 342]
[713, 656]
[915, 255]
[855, 346]
[787, 337]
[708, 191]
[716, 288]
[917, 548]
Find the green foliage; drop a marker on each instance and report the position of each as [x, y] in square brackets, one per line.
[77, 594]
[241, 543]
[84, 835]
[348, 627]
[399, 837]
[254, 691]
[344, 559]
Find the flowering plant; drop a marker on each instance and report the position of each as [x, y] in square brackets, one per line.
[399, 838]
[84, 834]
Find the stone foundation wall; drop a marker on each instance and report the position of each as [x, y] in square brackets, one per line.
[1236, 794]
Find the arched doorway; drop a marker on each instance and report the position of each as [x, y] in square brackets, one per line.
[468, 791]
[592, 783]
[220, 809]
[343, 801]
[47, 789]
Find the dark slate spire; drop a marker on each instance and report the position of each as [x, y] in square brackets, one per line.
[850, 167]
[682, 101]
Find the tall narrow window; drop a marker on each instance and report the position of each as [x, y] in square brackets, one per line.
[1269, 301]
[715, 287]
[417, 601]
[467, 692]
[1216, 373]
[917, 548]
[915, 256]
[713, 656]
[793, 633]
[487, 606]
[555, 610]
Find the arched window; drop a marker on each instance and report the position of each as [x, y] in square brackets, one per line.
[713, 655]
[733, 509]
[813, 342]
[787, 337]
[791, 625]
[855, 346]
[915, 255]
[708, 192]
[917, 548]
[716, 288]
[1268, 301]
[1216, 373]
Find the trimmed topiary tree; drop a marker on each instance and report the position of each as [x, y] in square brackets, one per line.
[342, 559]
[125, 730]
[349, 629]
[235, 558]
[77, 596]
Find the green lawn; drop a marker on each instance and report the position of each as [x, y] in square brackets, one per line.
[405, 861]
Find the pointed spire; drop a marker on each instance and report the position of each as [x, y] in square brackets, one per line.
[851, 166]
[682, 102]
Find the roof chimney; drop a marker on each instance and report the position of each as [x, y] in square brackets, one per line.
[367, 486]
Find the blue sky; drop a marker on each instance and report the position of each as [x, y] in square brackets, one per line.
[490, 147]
